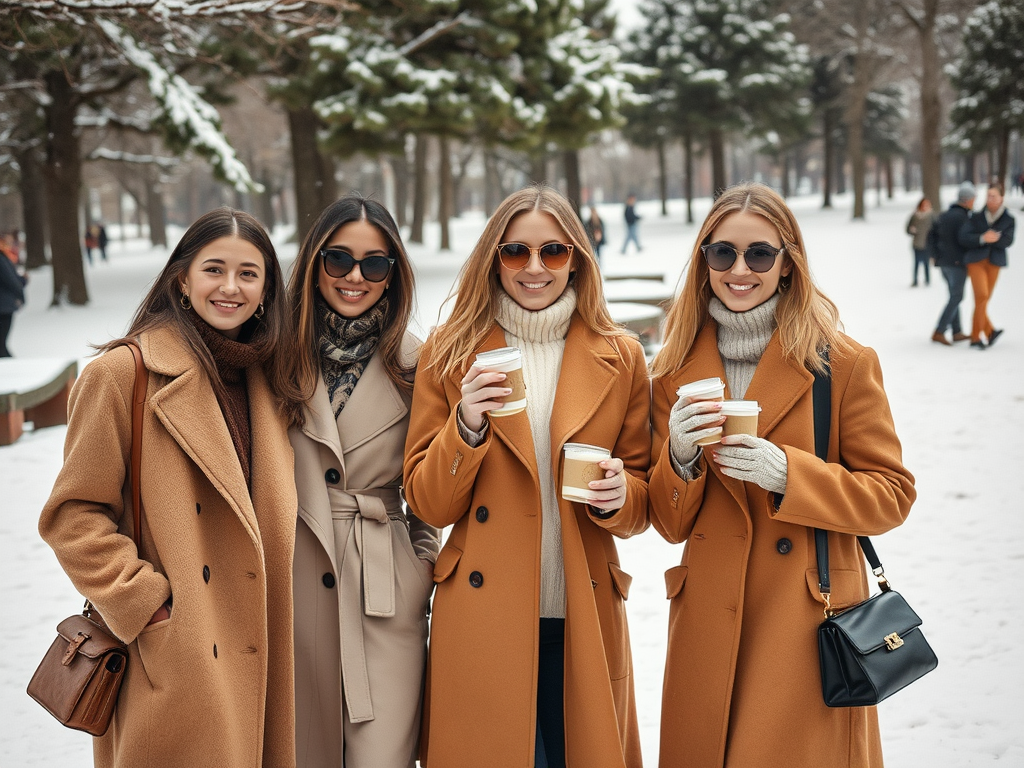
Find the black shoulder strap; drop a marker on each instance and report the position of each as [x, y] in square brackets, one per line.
[822, 397]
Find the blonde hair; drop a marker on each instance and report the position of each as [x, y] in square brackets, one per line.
[476, 292]
[808, 320]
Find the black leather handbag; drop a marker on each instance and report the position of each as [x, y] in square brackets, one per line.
[873, 649]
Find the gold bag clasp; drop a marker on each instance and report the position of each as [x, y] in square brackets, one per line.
[893, 641]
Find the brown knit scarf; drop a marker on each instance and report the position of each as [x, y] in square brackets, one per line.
[232, 358]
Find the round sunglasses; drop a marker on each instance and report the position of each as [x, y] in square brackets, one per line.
[517, 255]
[338, 263]
[759, 257]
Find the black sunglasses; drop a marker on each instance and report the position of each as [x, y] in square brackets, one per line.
[339, 263]
[759, 257]
[517, 255]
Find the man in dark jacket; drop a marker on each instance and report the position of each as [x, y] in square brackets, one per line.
[944, 242]
[12, 296]
[985, 236]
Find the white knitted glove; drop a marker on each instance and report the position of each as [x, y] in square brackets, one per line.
[753, 460]
[689, 422]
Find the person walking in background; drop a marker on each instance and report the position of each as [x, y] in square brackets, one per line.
[595, 232]
[10, 246]
[100, 233]
[205, 603]
[91, 242]
[918, 227]
[12, 297]
[363, 566]
[985, 236]
[944, 243]
[529, 646]
[632, 224]
[742, 678]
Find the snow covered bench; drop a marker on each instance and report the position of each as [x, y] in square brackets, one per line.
[622, 269]
[643, 319]
[33, 390]
[654, 293]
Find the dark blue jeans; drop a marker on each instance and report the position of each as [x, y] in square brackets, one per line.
[921, 259]
[550, 744]
[955, 278]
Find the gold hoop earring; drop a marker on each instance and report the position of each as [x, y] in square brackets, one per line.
[185, 301]
[259, 311]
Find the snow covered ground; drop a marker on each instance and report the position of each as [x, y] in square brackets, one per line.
[959, 412]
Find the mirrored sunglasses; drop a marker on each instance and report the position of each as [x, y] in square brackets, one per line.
[338, 263]
[759, 257]
[517, 255]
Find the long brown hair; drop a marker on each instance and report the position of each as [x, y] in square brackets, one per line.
[302, 287]
[477, 290]
[808, 320]
[267, 334]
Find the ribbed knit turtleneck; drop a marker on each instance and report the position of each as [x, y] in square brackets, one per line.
[541, 337]
[742, 339]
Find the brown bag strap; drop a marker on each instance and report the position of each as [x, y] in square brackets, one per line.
[138, 404]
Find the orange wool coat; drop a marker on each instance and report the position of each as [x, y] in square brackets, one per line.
[213, 684]
[482, 668]
[742, 681]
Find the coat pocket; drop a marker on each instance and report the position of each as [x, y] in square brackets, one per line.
[621, 580]
[446, 563]
[615, 629]
[674, 580]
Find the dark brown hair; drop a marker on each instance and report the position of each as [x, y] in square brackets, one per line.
[302, 287]
[268, 334]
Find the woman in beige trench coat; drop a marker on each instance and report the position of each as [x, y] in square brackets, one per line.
[206, 605]
[363, 567]
[742, 682]
[530, 593]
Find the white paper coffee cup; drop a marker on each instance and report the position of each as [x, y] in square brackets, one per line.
[705, 389]
[740, 417]
[580, 466]
[507, 360]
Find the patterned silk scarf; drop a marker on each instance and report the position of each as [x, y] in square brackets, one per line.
[346, 346]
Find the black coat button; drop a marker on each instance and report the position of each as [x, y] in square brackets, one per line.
[481, 514]
[206, 574]
[333, 476]
[328, 580]
[476, 579]
[784, 546]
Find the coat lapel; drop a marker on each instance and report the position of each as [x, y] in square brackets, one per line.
[375, 404]
[778, 383]
[187, 407]
[320, 425]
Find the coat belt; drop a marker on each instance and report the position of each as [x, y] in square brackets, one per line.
[367, 569]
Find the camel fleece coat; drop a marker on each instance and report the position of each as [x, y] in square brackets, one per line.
[482, 667]
[211, 685]
[742, 681]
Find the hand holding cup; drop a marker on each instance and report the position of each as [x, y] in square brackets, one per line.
[609, 493]
[481, 392]
[691, 423]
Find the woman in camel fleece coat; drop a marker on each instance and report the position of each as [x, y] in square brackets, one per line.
[206, 605]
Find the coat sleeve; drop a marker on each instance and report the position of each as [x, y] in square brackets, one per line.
[12, 281]
[440, 467]
[1006, 235]
[867, 490]
[674, 502]
[633, 446]
[82, 520]
[969, 235]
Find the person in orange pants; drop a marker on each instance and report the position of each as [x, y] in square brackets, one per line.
[986, 235]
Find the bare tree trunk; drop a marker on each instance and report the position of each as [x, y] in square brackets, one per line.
[307, 168]
[931, 105]
[444, 211]
[716, 144]
[419, 194]
[33, 207]
[662, 178]
[1002, 157]
[265, 201]
[155, 211]
[829, 152]
[465, 157]
[400, 165]
[889, 182]
[573, 187]
[63, 172]
[858, 160]
[539, 167]
[688, 174]
[784, 171]
[970, 167]
[492, 183]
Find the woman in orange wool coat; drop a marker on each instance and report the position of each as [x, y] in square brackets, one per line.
[742, 680]
[529, 589]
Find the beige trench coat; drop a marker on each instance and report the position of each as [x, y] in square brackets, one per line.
[361, 583]
[742, 680]
[212, 685]
[482, 678]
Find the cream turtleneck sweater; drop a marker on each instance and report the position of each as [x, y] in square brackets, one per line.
[742, 339]
[541, 337]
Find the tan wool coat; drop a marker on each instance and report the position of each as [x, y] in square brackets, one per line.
[482, 669]
[362, 579]
[742, 680]
[211, 685]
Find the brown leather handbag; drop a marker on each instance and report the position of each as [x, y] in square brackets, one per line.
[80, 676]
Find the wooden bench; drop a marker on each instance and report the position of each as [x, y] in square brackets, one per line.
[34, 390]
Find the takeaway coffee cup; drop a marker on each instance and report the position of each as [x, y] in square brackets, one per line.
[580, 466]
[705, 389]
[740, 417]
[507, 360]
